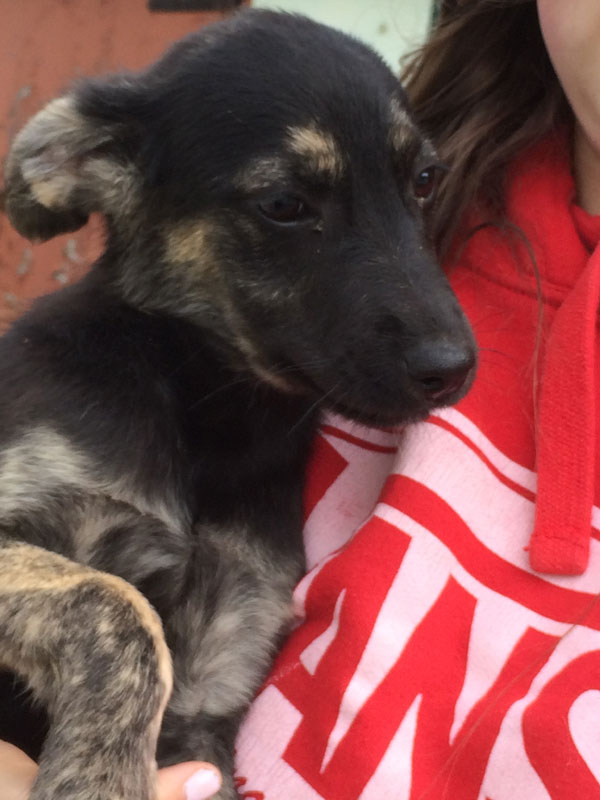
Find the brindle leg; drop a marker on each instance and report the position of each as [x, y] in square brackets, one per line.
[223, 635]
[92, 649]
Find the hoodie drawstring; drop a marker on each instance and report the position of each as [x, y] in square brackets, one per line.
[566, 435]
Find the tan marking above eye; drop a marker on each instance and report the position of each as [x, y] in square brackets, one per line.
[318, 147]
[399, 114]
[404, 136]
[261, 173]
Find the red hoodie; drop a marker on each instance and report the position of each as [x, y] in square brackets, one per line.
[448, 638]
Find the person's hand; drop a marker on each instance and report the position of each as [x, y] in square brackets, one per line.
[188, 781]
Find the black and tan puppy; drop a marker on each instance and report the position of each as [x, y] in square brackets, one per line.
[266, 257]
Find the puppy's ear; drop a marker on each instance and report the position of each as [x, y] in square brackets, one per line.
[65, 164]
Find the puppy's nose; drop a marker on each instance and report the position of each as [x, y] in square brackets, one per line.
[439, 369]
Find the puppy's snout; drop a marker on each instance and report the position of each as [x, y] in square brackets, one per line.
[440, 369]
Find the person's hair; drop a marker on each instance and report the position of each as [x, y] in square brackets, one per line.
[483, 88]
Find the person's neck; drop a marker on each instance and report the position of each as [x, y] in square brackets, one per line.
[586, 165]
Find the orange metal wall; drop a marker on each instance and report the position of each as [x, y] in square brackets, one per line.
[44, 44]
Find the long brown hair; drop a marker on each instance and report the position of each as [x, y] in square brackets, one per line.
[483, 88]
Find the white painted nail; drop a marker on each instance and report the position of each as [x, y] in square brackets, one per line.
[202, 785]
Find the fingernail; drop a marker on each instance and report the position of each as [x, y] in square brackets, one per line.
[202, 784]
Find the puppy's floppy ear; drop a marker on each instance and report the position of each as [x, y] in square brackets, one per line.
[67, 163]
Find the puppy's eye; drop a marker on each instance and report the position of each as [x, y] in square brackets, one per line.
[425, 183]
[285, 209]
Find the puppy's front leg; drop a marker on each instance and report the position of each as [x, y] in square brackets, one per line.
[92, 649]
[223, 635]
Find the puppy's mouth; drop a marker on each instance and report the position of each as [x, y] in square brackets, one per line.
[388, 409]
[378, 419]
[380, 405]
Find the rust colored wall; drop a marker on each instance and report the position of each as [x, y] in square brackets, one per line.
[44, 44]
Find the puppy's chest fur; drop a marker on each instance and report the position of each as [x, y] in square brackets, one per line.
[139, 445]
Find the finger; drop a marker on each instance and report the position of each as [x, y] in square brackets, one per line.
[17, 772]
[192, 780]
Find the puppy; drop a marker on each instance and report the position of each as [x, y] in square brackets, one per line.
[264, 190]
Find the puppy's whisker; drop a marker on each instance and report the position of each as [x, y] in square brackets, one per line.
[317, 403]
[303, 366]
[219, 390]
